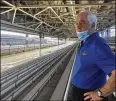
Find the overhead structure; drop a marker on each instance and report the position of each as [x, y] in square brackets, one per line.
[55, 17]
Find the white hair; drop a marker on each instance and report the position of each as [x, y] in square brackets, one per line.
[92, 18]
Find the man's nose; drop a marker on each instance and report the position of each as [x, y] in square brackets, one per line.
[79, 25]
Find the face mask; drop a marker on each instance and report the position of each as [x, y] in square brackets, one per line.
[82, 35]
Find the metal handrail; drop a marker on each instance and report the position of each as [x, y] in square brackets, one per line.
[69, 80]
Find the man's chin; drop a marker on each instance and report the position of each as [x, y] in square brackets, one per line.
[79, 31]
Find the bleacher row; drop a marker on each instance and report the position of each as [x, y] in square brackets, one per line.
[24, 82]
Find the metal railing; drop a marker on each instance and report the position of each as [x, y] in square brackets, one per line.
[61, 94]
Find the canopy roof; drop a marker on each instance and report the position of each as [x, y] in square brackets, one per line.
[55, 17]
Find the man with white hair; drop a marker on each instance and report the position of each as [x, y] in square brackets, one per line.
[94, 61]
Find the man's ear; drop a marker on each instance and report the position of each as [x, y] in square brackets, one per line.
[93, 26]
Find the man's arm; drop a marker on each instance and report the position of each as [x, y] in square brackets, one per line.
[106, 90]
[105, 59]
[110, 86]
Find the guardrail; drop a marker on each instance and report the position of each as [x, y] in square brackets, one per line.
[61, 90]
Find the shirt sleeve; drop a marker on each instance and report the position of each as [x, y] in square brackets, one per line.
[105, 59]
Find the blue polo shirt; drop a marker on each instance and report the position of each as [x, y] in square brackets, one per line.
[94, 60]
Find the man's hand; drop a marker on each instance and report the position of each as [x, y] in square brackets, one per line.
[93, 96]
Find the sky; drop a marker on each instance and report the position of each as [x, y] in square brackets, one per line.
[30, 36]
[12, 33]
[112, 33]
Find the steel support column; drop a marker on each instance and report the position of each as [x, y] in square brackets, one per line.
[58, 41]
[108, 33]
[26, 40]
[40, 45]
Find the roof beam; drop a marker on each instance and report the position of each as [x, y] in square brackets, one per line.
[61, 15]
[16, 28]
[26, 22]
[8, 3]
[32, 25]
[34, 17]
[57, 15]
[41, 11]
[14, 15]
[69, 5]
[26, 13]
[7, 11]
[30, 9]
[5, 7]
[38, 26]
[72, 10]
